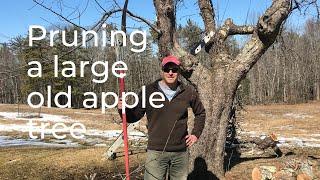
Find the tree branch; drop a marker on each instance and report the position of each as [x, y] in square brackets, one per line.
[167, 41]
[95, 27]
[235, 29]
[241, 30]
[166, 21]
[104, 18]
[54, 12]
[207, 14]
[150, 24]
[264, 35]
[156, 29]
[100, 6]
[124, 16]
[229, 28]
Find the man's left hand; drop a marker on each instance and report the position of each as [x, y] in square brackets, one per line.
[191, 139]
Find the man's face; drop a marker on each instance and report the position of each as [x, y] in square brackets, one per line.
[170, 73]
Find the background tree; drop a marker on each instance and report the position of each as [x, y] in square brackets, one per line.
[289, 71]
[9, 85]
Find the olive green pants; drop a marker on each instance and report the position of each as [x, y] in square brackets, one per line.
[158, 164]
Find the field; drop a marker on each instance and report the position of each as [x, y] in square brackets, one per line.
[296, 126]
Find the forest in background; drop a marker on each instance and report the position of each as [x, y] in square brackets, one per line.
[289, 72]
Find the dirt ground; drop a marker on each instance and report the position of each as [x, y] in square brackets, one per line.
[34, 162]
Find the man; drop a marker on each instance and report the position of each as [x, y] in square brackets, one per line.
[167, 126]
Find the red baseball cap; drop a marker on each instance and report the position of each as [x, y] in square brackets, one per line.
[171, 59]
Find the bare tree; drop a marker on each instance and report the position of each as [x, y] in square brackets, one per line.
[289, 71]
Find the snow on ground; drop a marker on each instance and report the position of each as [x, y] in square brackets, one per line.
[297, 115]
[89, 132]
[12, 116]
[115, 133]
[7, 141]
[26, 117]
[299, 141]
[97, 137]
[95, 114]
[92, 136]
[311, 141]
[26, 128]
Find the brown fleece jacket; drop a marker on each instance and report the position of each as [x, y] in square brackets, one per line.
[174, 114]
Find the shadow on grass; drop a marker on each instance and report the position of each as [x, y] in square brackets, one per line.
[200, 171]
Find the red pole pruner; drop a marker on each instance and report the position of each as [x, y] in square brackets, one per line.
[124, 127]
[119, 55]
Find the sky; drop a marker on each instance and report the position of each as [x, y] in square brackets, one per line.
[18, 15]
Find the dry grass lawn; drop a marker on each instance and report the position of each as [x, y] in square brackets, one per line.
[64, 163]
[284, 120]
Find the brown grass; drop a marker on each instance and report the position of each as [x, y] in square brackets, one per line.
[54, 163]
[283, 120]
[267, 119]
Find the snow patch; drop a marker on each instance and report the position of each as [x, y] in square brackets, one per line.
[34, 116]
[311, 141]
[93, 137]
[26, 128]
[297, 115]
[95, 114]
[115, 133]
[6, 141]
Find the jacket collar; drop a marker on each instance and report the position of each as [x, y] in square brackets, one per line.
[180, 85]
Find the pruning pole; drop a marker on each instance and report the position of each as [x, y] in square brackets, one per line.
[119, 54]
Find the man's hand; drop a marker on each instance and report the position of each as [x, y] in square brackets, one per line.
[191, 139]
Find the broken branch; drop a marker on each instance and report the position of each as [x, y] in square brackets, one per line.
[229, 28]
